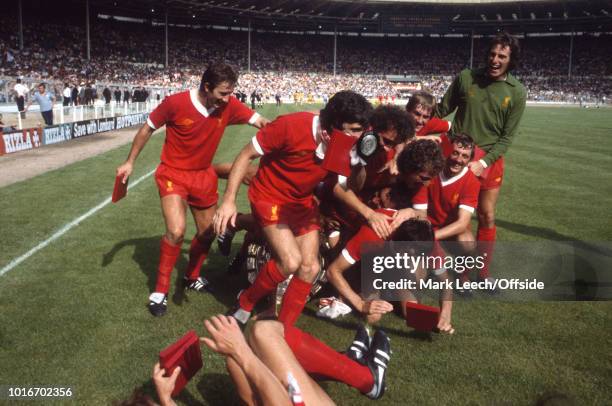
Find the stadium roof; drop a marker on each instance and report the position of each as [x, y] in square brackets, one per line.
[378, 16]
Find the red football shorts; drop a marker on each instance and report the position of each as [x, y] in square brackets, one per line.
[198, 188]
[301, 218]
[495, 177]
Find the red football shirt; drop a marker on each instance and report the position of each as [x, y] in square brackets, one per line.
[445, 196]
[352, 250]
[290, 169]
[193, 133]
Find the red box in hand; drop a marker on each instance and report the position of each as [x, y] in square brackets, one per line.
[184, 353]
[338, 153]
[422, 317]
[120, 189]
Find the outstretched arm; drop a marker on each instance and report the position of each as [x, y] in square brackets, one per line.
[140, 140]
[227, 339]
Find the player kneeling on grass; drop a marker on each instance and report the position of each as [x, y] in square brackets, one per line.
[274, 363]
[195, 121]
[292, 149]
[452, 197]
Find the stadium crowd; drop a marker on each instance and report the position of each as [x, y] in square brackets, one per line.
[133, 54]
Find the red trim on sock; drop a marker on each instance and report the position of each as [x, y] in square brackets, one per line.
[317, 358]
[294, 300]
[267, 280]
[197, 255]
[168, 255]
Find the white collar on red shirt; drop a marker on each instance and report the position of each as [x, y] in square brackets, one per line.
[447, 181]
[193, 95]
[316, 133]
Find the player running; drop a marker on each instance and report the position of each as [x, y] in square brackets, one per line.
[195, 121]
[292, 149]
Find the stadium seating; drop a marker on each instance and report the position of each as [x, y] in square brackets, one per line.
[133, 54]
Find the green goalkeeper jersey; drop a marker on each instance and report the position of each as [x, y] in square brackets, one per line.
[488, 110]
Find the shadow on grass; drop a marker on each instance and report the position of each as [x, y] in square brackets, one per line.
[217, 389]
[146, 254]
[552, 235]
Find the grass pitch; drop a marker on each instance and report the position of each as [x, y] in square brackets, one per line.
[74, 314]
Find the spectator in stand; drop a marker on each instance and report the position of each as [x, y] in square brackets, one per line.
[67, 95]
[45, 100]
[20, 92]
[74, 96]
[106, 93]
[117, 95]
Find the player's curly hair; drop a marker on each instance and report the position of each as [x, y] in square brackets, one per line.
[464, 141]
[420, 155]
[217, 73]
[506, 40]
[386, 117]
[345, 106]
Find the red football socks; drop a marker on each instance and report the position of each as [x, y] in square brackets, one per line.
[294, 300]
[269, 277]
[197, 255]
[486, 245]
[167, 258]
[319, 359]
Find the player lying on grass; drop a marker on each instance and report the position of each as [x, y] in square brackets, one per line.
[275, 364]
[292, 149]
[195, 121]
[348, 202]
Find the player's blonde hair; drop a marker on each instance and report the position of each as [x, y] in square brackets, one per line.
[422, 98]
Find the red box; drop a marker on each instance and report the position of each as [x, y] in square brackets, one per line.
[120, 189]
[184, 353]
[422, 317]
[337, 156]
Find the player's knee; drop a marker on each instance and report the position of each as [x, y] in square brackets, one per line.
[290, 264]
[309, 270]
[486, 218]
[175, 235]
[262, 332]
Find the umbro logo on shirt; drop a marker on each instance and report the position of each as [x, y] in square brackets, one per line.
[184, 122]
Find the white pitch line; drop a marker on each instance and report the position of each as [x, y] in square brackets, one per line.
[66, 228]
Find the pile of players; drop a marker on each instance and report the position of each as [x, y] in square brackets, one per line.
[406, 179]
